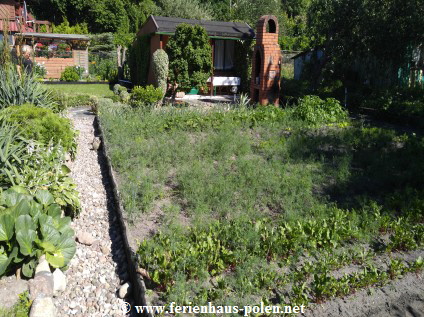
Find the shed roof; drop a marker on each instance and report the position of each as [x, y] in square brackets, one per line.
[56, 36]
[168, 25]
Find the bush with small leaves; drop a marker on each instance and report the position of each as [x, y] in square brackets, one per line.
[41, 125]
[160, 64]
[148, 95]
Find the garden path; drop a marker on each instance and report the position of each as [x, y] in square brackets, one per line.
[98, 267]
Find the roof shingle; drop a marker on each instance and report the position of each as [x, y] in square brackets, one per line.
[213, 28]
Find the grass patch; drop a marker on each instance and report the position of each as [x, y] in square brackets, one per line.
[246, 195]
[100, 90]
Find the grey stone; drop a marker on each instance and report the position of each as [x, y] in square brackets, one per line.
[59, 281]
[124, 290]
[43, 307]
[10, 288]
[41, 284]
[43, 265]
[85, 238]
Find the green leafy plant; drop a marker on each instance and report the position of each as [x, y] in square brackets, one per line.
[117, 88]
[190, 59]
[31, 226]
[41, 125]
[148, 95]
[72, 73]
[314, 110]
[160, 65]
[19, 90]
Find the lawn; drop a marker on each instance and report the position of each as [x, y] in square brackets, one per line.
[256, 205]
[100, 90]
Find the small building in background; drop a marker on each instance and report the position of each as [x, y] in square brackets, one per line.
[222, 39]
[54, 51]
[57, 51]
[304, 58]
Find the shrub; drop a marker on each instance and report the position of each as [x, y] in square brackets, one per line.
[41, 125]
[139, 59]
[40, 70]
[190, 58]
[31, 227]
[65, 101]
[124, 96]
[160, 64]
[117, 88]
[145, 95]
[314, 110]
[16, 90]
[72, 73]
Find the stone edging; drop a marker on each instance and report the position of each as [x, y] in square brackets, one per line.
[137, 282]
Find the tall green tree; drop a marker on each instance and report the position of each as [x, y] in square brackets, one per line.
[251, 10]
[188, 9]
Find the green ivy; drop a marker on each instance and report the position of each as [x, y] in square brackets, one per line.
[139, 60]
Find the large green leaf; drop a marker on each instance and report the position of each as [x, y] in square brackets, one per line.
[64, 224]
[4, 263]
[22, 208]
[26, 240]
[44, 197]
[45, 219]
[67, 247]
[56, 259]
[47, 246]
[7, 224]
[25, 223]
[11, 197]
[50, 233]
[54, 210]
[29, 268]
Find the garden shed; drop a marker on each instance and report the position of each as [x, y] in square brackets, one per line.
[223, 37]
[57, 51]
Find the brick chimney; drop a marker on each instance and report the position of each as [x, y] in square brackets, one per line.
[266, 63]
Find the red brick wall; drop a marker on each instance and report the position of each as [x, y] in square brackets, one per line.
[267, 91]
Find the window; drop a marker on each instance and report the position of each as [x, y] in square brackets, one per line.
[224, 55]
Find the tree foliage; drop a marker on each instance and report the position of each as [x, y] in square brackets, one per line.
[188, 9]
[380, 34]
[190, 59]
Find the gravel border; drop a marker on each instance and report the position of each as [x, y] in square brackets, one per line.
[99, 267]
[138, 285]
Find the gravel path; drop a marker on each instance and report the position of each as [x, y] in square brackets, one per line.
[97, 270]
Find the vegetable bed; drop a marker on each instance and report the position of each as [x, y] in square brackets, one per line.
[268, 205]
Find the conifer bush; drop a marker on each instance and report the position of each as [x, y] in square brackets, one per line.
[161, 69]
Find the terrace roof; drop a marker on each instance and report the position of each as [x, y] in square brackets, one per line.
[79, 37]
[218, 29]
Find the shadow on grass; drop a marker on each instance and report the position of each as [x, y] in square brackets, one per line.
[364, 164]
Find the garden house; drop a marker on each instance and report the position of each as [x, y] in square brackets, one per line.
[223, 36]
[57, 51]
[15, 18]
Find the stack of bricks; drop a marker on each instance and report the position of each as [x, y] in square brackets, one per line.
[266, 63]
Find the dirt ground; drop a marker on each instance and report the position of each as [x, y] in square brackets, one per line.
[401, 298]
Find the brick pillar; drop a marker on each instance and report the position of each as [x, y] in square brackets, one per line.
[266, 63]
